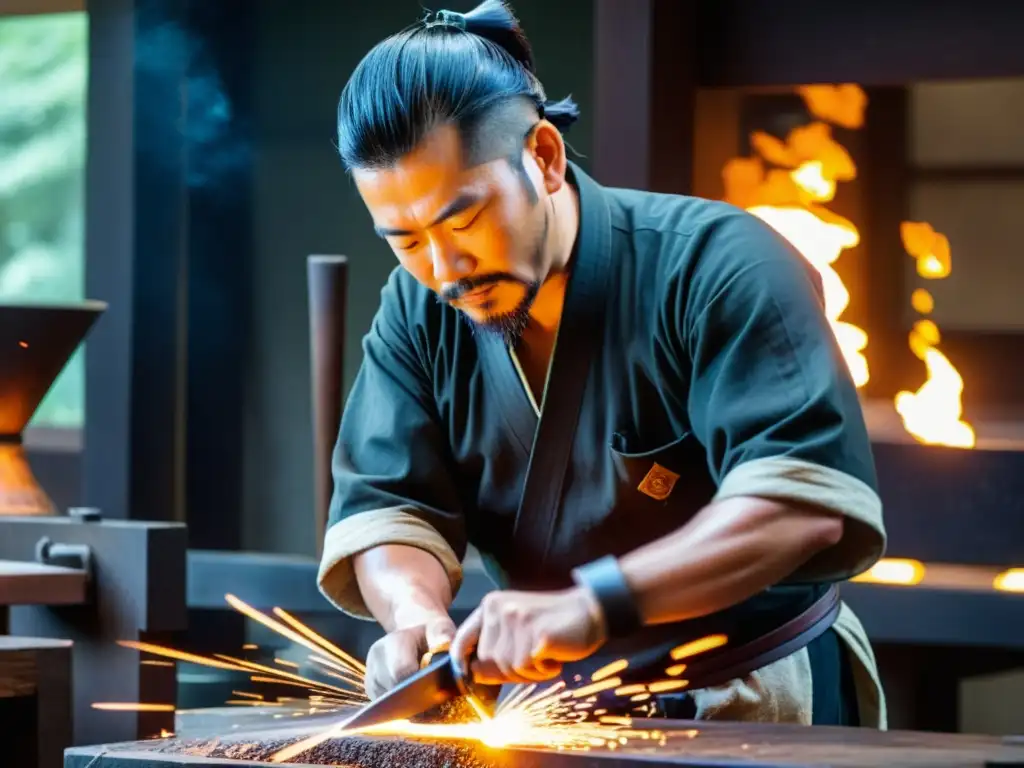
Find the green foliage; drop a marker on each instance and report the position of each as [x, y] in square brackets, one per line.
[43, 76]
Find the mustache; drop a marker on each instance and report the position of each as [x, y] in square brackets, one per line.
[458, 289]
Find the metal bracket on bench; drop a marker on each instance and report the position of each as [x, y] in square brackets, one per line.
[77, 556]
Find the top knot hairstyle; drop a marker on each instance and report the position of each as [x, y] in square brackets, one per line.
[474, 70]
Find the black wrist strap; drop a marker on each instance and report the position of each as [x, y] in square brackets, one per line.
[604, 579]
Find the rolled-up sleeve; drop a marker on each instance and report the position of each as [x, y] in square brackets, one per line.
[771, 396]
[392, 478]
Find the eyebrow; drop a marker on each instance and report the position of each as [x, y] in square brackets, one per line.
[458, 205]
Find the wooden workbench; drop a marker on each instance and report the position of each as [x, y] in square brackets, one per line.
[25, 583]
[715, 744]
[35, 673]
[35, 701]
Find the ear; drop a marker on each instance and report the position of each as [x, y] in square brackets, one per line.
[547, 147]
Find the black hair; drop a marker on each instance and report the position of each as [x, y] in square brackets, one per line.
[474, 70]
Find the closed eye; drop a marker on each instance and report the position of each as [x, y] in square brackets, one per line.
[472, 220]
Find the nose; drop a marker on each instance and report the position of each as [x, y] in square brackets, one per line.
[449, 263]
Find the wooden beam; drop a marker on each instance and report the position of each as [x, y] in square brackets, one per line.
[645, 93]
[871, 42]
[882, 187]
[169, 246]
[135, 221]
[24, 583]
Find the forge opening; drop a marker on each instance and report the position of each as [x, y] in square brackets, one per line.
[902, 198]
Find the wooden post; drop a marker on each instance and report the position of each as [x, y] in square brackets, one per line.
[327, 283]
[35, 701]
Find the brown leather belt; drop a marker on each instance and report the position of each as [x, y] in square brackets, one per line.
[731, 663]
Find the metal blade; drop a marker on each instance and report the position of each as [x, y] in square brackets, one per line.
[432, 685]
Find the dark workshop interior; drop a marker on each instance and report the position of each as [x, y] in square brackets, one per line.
[186, 275]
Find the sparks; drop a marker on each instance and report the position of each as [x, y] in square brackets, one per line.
[348, 692]
[555, 716]
[611, 669]
[702, 645]
[523, 721]
[132, 706]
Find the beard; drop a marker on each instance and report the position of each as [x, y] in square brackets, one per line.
[508, 325]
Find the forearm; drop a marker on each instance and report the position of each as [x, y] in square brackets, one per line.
[402, 586]
[728, 552]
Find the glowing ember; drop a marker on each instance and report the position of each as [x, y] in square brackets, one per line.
[702, 645]
[1010, 581]
[789, 199]
[612, 669]
[629, 690]
[922, 301]
[663, 686]
[604, 685]
[116, 706]
[616, 720]
[894, 571]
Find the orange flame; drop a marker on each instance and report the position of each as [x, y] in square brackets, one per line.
[929, 248]
[839, 104]
[790, 201]
[933, 413]
[789, 198]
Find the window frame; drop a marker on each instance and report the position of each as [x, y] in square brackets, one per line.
[37, 7]
[46, 441]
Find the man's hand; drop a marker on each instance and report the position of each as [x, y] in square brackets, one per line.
[524, 637]
[397, 655]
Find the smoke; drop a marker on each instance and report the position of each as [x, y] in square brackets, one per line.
[184, 120]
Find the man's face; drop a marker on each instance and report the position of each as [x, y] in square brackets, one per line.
[475, 236]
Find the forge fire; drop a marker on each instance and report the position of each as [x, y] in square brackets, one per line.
[788, 184]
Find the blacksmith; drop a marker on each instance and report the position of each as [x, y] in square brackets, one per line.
[631, 404]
